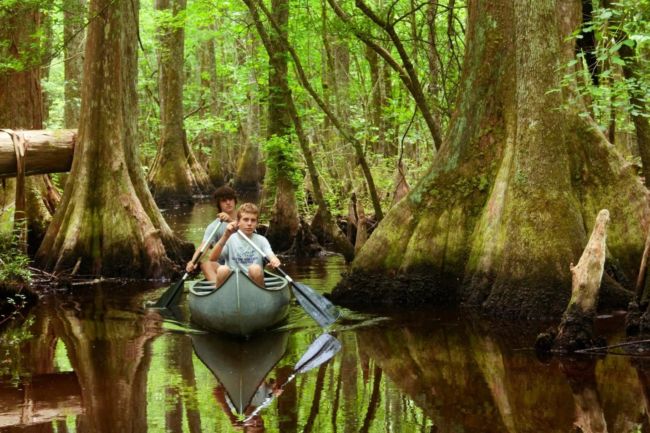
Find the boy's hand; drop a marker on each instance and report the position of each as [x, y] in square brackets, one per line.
[224, 217]
[190, 267]
[274, 262]
[231, 228]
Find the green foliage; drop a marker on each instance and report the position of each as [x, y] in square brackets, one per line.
[626, 24]
[28, 44]
[14, 263]
[11, 340]
[282, 159]
[229, 102]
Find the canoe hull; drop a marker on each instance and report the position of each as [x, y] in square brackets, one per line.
[239, 306]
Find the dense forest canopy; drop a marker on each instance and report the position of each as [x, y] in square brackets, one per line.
[332, 108]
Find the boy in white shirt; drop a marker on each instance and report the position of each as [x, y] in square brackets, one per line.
[238, 253]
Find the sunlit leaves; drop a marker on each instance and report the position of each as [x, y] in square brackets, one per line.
[622, 34]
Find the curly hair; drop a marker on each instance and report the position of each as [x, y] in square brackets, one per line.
[224, 193]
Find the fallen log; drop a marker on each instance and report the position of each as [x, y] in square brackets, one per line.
[575, 331]
[46, 151]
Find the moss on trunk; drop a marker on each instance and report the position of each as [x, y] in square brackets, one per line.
[284, 223]
[518, 182]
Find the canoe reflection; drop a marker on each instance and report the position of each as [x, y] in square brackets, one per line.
[242, 366]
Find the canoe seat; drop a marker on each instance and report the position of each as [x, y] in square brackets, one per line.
[272, 282]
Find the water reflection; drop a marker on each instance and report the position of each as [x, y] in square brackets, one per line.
[241, 368]
[97, 361]
[40, 400]
[103, 364]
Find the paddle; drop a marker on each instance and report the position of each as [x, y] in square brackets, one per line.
[173, 294]
[315, 304]
[318, 353]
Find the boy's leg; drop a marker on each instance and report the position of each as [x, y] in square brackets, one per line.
[256, 273]
[222, 274]
[209, 270]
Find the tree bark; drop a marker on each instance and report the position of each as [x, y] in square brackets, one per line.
[73, 36]
[248, 175]
[210, 86]
[46, 152]
[108, 224]
[175, 174]
[504, 207]
[638, 99]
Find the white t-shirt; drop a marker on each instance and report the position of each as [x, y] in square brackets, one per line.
[217, 236]
[239, 254]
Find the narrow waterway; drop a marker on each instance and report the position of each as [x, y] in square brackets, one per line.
[96, 360]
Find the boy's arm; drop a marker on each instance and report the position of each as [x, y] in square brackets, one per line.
[191, 265]
[219, 246]
[274, 262]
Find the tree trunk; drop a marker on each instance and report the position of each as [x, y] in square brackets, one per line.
[248, 175]
[109, 224]
[210, 97]
[377, 103]
[21, 89]
[175, 174]
[505, 206]
[284, 223]
[73, 35]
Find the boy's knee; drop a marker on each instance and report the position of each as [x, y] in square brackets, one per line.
[222, 274]
[256, 273]
[255, 270]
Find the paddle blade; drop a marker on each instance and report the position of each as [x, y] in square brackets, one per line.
[316, 305]
[172, 296]
[319, 352]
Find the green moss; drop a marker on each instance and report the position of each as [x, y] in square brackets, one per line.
[521, 178]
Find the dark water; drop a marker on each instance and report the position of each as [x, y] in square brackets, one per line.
[103, 363]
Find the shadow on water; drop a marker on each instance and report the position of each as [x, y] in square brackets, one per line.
[97, 361]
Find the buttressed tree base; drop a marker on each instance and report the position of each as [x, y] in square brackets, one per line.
[509, 201]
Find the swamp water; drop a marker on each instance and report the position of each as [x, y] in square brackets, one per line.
[103, 363]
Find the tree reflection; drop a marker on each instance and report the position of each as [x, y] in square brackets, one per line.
[581, 375]
[108, 347]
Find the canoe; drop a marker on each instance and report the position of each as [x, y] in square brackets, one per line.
[241, 366]
[239, 306]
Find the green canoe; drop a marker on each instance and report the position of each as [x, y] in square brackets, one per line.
[241, 366]
[239, 306]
